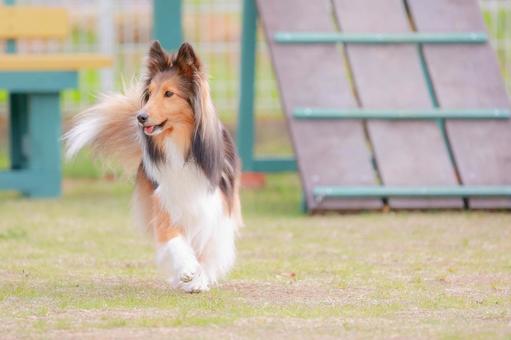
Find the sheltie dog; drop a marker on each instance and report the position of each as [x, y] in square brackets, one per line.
[186, 189]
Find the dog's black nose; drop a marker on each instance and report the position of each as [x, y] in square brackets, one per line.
[142, 117]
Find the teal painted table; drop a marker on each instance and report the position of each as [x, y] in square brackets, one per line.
[35, 131]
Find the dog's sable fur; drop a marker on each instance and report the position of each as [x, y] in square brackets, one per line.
[187, 183]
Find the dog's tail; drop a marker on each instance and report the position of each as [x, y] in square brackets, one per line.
[109, 128]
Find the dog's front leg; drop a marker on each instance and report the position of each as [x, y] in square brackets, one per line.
[174, 254]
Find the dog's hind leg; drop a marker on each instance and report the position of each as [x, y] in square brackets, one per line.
[219, 256]
[142, 202]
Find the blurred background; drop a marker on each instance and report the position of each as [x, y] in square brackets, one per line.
[72, 268]
[123, 28]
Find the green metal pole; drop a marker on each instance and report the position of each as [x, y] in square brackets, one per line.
[17, 120]
[436, 104]
[245, 128]
[44, 144]
[18, 128]
[390, 114]
[380, 38]
[392, 191]
[167, 26]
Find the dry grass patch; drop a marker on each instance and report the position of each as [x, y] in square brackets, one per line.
[74, 268]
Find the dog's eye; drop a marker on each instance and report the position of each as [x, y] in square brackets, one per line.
[168, 94]
[147, 95]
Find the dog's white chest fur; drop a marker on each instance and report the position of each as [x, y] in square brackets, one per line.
[196, 208]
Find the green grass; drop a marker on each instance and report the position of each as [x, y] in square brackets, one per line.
[75, 267]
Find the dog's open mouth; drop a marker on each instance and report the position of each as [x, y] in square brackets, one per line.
[153, 130]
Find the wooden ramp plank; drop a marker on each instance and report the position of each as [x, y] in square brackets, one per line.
[409, 153]
[468, 77]
[328, 152]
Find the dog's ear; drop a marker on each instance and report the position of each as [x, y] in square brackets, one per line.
[207, 144]
[187, 60]
[208, 151]
[158, 60]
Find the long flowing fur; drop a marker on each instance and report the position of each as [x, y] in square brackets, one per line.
[110, 129]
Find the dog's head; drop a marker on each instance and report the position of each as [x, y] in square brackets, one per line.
[177, 105]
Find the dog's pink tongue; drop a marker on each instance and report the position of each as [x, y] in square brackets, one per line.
[149, 129]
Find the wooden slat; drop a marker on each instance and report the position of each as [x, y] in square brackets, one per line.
[30, 22]
[328, 152]
[468, 76]
[52, 62]
[409, 153]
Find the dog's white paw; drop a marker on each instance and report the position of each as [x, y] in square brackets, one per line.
[179, 258]
[198, 284]
[187, 277]
[185, 272]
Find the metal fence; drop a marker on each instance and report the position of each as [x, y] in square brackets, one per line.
[497, 15]
[122, 28]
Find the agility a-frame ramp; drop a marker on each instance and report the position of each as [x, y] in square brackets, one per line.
[399, 102]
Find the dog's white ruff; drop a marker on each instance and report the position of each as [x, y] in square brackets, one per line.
[208, 232]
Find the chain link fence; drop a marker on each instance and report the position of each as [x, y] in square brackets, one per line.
[122, 28]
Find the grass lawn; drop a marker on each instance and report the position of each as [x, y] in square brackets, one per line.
[74, 267]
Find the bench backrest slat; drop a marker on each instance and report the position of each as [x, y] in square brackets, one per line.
[33, 22]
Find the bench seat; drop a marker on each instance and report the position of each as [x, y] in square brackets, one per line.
[53, 62]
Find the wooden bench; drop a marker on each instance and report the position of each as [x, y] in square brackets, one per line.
[34, 83]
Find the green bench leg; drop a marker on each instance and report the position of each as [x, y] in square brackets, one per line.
[18, 131]
[35, 142]
[44, 126]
